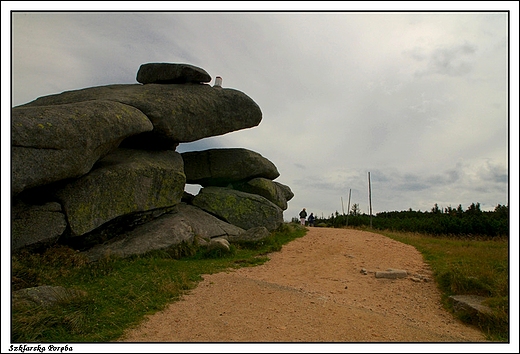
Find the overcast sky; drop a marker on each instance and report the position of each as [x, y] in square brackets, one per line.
[418, 99]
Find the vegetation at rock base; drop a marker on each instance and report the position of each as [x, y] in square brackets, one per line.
[119, 292]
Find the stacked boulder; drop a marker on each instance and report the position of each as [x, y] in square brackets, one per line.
[237, 186]
[98, 169]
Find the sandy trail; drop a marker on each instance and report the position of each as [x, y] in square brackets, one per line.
[313, 291]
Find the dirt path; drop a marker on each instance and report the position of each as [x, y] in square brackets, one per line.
[313, 291]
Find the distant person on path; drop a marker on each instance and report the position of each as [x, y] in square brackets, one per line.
[311, 219]
[303, 216]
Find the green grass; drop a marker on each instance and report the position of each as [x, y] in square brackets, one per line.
[470, 266]
[119, 292]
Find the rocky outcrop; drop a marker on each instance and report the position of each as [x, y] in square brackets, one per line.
[124, 182]
[184, 223]
[240, 169]
[179, 113]
[238, 208]
[36, 224]
[204, 225]
[45, 295]
[97, 169]
[220, 167]
[168, 73]
[273, 191]
[254, 234]
[56, 142]
[239, 186]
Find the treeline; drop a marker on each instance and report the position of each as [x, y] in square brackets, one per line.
[448, 221]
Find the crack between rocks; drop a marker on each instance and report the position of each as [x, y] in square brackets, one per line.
[36, 147]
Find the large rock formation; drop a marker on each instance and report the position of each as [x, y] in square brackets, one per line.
[56, 142]
[239, 186]
[273, 191]
[124, 182]
[238, 208]
[36, 223]
[220, 167]
[168, 73]
[179, 113]
[184, 223]
[97, 168]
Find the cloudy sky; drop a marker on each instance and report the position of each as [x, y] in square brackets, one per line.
[418, 99]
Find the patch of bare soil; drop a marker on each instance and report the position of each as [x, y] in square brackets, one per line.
[313, 290]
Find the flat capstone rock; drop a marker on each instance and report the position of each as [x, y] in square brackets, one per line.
[169, 73]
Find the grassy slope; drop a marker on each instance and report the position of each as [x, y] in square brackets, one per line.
[120, 292]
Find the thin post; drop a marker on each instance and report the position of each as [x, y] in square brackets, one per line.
[370, 199]
[342, 208]
[348, 206]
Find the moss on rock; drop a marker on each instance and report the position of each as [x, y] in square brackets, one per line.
[241, 209]
[124, 182]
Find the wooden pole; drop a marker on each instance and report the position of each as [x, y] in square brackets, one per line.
[370, 199]
[348, 206]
